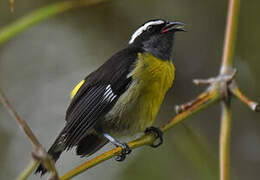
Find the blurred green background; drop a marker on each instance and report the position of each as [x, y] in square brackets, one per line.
[39, 68]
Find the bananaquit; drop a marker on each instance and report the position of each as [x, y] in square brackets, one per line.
[123, 96]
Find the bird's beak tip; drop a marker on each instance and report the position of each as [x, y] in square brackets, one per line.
[174, 25]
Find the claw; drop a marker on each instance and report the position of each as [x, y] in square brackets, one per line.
[125, 148]
[158, 135]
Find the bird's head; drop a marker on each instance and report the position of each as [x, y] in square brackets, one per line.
[156, 37]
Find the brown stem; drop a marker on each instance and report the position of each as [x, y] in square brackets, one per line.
[192, 103]
[230, 37]
[251, 104]
[226, 69]
[12, 6]
[202, 101]
[224, 144]
[24, 175]
[39, 153]
[22, 124]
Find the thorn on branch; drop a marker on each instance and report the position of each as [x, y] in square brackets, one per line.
[219, 84]
[251, 104]
[229, 77]
[221, 78]
[256, 107]
[191, 104]
[200, 82]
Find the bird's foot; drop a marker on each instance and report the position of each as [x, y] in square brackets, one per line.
[125, 148]
[158, 135]
[125, 151]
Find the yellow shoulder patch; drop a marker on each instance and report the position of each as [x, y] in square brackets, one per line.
[76, 88]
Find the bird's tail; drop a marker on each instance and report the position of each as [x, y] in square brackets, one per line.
[55, 151]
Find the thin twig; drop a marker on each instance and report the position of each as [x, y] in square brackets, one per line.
[22, 124]
[41, 14]
[224, 144]
[230, 37]
[192, 103]
[204, 100]
[208, 99]
[45, 159]
[227, 77]
[254, 106]
[200, 82]
[24, 175]
[12, 6]
[39, 151]
[226, 69]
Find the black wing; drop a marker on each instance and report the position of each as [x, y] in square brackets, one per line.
[97, 95]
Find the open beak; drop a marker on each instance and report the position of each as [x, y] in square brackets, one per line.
[173, 25]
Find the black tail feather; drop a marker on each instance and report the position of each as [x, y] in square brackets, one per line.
[55, 152]
[87, 146]
[90, 144]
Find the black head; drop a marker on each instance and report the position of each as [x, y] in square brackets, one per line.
[156, 37]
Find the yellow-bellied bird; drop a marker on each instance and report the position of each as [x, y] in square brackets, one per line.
[123, 96]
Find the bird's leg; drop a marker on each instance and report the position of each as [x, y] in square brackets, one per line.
[157, 133]
[125, 148]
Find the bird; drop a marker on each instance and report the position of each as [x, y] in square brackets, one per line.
[123, 96]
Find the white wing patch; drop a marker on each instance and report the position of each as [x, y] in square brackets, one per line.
[109, 95]
[141, 29]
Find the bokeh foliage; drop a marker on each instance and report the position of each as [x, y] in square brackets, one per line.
[39, 68]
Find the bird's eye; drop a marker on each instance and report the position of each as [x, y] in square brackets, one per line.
[149, 28]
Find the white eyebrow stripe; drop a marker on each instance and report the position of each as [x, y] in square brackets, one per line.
[143, 28]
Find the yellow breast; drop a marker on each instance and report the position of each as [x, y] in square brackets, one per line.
[137, 108]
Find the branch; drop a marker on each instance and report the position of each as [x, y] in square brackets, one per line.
[39, 153]
[11, 5]
[26, 173]
[254, 106]
[204, 100]
[230, 37]
[191, 104]
[41, 14]
[224, 141]
[22, 124]
[227, 68]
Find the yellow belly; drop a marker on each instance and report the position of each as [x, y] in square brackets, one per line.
[137, 108]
